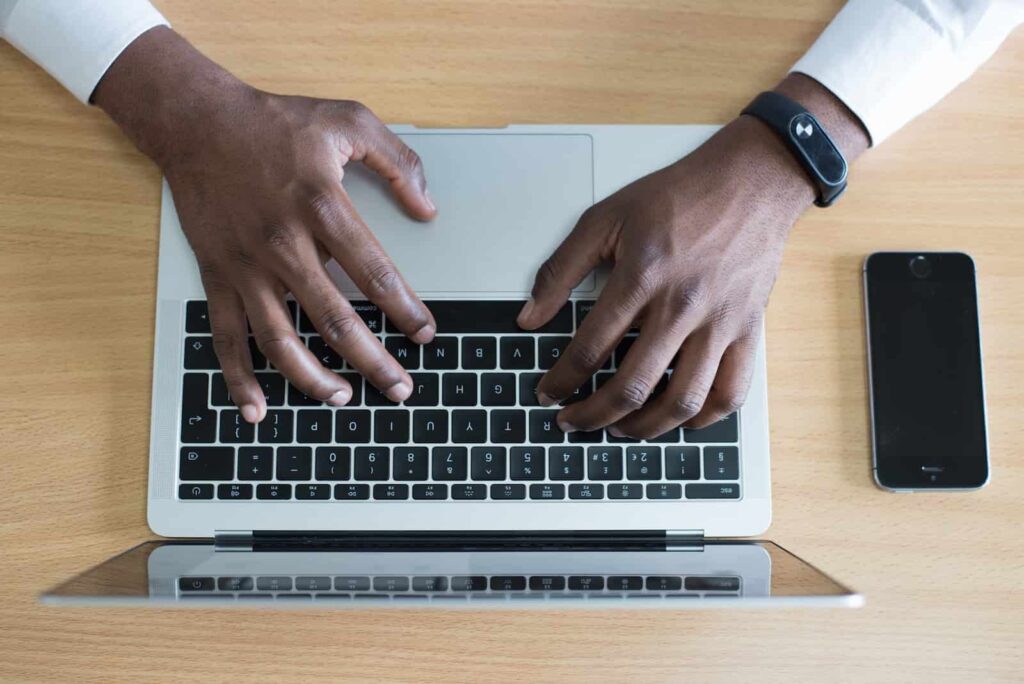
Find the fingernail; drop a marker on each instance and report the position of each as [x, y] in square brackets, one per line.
[424, 334]
[400, 391]
[546, 399]
[525, 312]
[566, 427]
[614, 431]
[430, 200]
[251, 413]
[340, 398]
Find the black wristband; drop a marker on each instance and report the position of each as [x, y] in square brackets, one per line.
[807, 141]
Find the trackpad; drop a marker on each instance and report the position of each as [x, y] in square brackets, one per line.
[504, 200]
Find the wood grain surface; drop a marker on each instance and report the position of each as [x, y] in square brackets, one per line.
[78, 241]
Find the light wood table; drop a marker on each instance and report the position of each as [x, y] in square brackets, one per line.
[78, 240]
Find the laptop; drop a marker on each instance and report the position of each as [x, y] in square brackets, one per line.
[469, 470]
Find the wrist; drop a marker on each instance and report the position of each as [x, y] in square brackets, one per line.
[842, 125]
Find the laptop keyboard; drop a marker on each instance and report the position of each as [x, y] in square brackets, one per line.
[471, 431]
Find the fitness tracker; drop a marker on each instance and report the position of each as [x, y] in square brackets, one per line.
[807, 140]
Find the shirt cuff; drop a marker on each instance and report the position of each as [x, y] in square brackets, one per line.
[76, 42]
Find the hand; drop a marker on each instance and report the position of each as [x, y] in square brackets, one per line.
[257, 183]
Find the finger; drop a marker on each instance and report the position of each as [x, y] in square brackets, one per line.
[276, 338]
[341, 230]
[601, 330]
[639, 374]
[231, 342]
[567, 266]
[687, 390]
[730, 387]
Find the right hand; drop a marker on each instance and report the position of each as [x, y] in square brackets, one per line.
[257, 183]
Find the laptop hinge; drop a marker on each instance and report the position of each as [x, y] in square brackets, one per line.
[232, 540]
[684, 540]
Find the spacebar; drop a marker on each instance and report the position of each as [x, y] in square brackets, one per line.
[487, 316]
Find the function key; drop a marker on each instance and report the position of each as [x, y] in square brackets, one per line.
[430, 583]
[206, 463]
[625, 491]
[234, 583]
[197, 317]
[391, 584]
[682, 463]
[586, 583]
[354, 492]
[195, 491]
[312, 491]
[469, 583]
[508, 583]
[313, 583]
[721, 463]
[664, 490]
[708, 490]
[441, 354]
[390, 491]
[518, 353]
[586, 491]
[547, 583]
[405, 351]
[725, 430]
[234, 491]
[643, 463]
[479, 353]
[333, 463]
[274, 583]
[546, 492]
[255, 463]
[712, 583]
[664, 583]
[469, 491]
[430, 492]
[196, 584]
[199, 354]
[508, 492]
[352, 583]
[625, 583]
[274, 491]
[550, 350]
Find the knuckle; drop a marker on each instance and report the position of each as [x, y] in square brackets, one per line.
[685, 406]
[274, 343]
[643, 283]
[382, 278]
[410, 161]
[277, 237]
[689, 296]
[583, 358]
[339, 327]
[357, 113]
[632, 395]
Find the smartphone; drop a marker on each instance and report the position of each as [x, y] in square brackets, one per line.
[925, 371]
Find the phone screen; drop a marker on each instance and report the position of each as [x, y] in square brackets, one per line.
[924, 346]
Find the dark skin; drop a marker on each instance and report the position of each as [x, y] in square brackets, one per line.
[258, 185]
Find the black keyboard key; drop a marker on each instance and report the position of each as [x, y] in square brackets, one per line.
[314, 426]
[312, 491]
[469, 426]
[259, 361]
[586, 583]
[626, 491]
[219, 395]
[333, 463]
[643, 463]
[312, 583]
[430, 583]
[622, 348]
[664, 583]
[712, 584]
[469, 583]
[625, 583]
[405, 351]
[391, 584]
[198, 422]
[682, 463]
[586, 491]
[544, 427]
[498, 389]
[449, 463]
[351, 492]
[528, 388]
[352, 583]
[458, 389]
[430, 492]
[430, 426]
[195, 491]
[441, 354]
[508, 426]
[390, 492]
[581, 393]
[325, 354]
[708, 490]
[469, 491]
[234, 491]
[206, 463]
[670, 437]
[199, 354]
[487, 316]
[664, 490]
[487, 463]
[410, 463]
[276, 427]
[604, 463]
[391, 426]
[374, 397]
[371, 315]
[549, 350]
[272, 492]
[196, 584]
[479, 353]
[547, 583]
[293, 310]
[234, 429]
[272, 385]
[352, 426]
[297, 398]
[255, 463]
[425, 390]
[294, 463]
[197, 317]
[565, 463]
[508, 492]
[721, 463]
[586, 436]
[274, 583]
[355, 381]
[508, 583]
[518, 353]
[725, 430]
[544, 492]
[372, 463]
[527, 463]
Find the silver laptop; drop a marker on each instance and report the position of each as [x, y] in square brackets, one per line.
[471, 451]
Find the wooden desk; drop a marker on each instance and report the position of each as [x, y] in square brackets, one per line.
[78, 238]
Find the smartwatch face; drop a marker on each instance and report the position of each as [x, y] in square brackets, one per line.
[817, 148]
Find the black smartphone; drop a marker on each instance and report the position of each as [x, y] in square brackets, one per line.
[925, 371]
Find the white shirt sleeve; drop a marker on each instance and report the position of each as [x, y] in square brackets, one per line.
[76, 41]
[890, 60]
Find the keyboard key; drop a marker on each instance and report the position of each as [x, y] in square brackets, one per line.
[469, 491]
[483, 316]
[274, 583]
[405, 351]
[430, 492]
[547, 491]
[508, 426]
[325, 354]
[544, 427]
[712, 584]
[708, 490]
[430, 426]
[721, 463]
[352, 426]
[410, 463]
[371, 315]
[498, 389]
[622, 348]
[470, 583]
[333, 463]
[441, 354]
[297, 398]
[219, 395]
[547, 583]
[643, 463]
[313, 583]
[429, 583]
[391, 426]
[272, 385]
[670, 437]
[259, 361]
[586, 491]
[314, 426]
[391, 584]
[234, 429]
[565, 463]
[527, 463]
[351, 492]
[199, 354]
[449, 463]
[508, 583]
[312, 491]
[664, 490]
[276, 427]
[198, 422]
[517, 353]
[196, 584]
[374, 397]
[255, 463]
[458, 389]
[528, 388]
[604, 463]
[581, 393]
[425, 390]
[549, 350]
[625, 491]
[662, 583]
[469, 426]
[355, 381]
[508, 492]
[487, 463]
[372, 463]
[625, 583]
[274, 491]
[384, 492]
[586, 583]
[195, 491]
[586, 436]
[725, 430]
[206, 463]
[197, 317]
[479, 353]
[234, 491]
[294, 463]
[682, 463]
